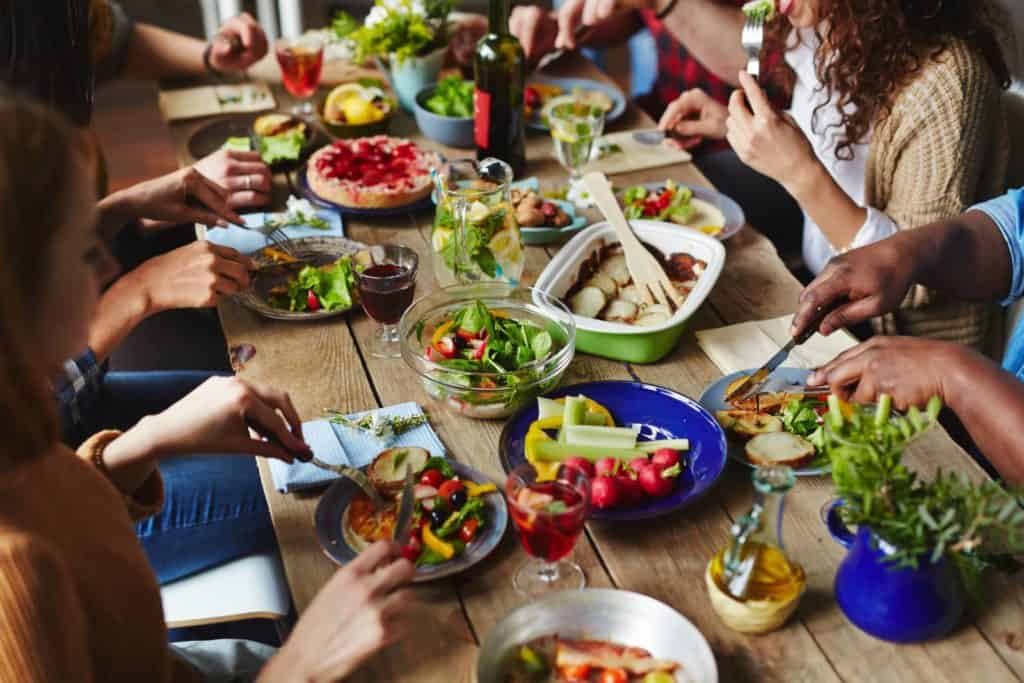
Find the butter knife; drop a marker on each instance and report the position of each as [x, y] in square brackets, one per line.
[405, 506]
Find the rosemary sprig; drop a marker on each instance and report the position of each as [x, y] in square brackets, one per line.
[378, 426]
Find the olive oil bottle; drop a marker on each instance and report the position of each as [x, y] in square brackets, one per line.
[499, 67]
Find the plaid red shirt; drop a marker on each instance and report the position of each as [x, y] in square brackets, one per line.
[679, 71]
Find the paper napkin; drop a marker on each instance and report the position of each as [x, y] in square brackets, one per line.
[749, 345]
[340, 445]
[248, 241]
[207, 100]
[635, 156]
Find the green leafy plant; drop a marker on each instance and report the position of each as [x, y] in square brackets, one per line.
[976, 525]
[400, 29]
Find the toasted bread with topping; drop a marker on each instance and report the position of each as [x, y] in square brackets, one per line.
[780, 448]
[746, 424]
[387, 471]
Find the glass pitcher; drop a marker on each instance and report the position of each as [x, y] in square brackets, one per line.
[475, 236]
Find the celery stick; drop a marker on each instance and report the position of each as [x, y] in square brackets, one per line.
[674, 444]
[835, 412]
[546, 408]
[602, 437]
[934, 408]
[575, 410]
[553, 451]
[883, 410]
[595, 419]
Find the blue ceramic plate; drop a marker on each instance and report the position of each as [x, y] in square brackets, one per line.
[735, 219]
[713, 400]
[303, 188]
[661, 414]
[567, 85]
[329, 511]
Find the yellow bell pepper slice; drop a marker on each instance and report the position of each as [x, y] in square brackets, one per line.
[595, 407]
[546, 471]
[441, 331]
[475, 490]
[442, 548]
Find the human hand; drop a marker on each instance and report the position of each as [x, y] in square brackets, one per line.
[576, 13]
[768, 141]
[193, 276]
[856, 286]
[694, 116]
[536, 29]
[239, 44]
[361, 610]
[244, 175]
[464, 36]
[185, 196]
[910, 369]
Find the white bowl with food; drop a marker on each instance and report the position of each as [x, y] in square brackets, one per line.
[612, 320]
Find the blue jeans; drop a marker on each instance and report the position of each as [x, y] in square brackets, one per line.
[214, 508]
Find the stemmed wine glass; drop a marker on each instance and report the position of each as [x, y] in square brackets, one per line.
[301, 60]
[575, 127]
[549, 517]
[386, 289]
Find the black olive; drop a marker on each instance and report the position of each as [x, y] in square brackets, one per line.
[458, 499]
[437, 518]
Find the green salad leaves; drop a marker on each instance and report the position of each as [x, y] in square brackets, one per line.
[453, 97]
[669, 203]
[332, 286]
[284, 147]
[760, 9]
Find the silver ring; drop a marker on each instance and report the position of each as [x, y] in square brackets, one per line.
[248, 182]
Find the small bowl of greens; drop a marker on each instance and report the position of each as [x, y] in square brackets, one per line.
[444, 111]
[485, 350]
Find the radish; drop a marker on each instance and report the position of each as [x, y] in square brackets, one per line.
[658, 481]
[665, 457]
[580, 463]
[631, 491]
[605, 492]
[422, 491]
[607, 467]
[638, 463]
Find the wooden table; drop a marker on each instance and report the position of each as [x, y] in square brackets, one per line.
[325, 365]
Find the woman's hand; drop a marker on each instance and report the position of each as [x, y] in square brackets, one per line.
[767, 140]
[695, 116]
[239, 44]
[193, 276]
[358, 612]
[243, 174]
[536, 28]
[909, 369]
[576, 13]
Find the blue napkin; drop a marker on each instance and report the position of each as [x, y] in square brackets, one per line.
[340, 445]
[248, 241]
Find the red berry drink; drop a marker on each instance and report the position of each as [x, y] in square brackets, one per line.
[386, 291]
[300, 68]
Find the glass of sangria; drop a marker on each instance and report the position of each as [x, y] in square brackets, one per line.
[386, 289]
[549, 517]
[301, 60]
[575, 128]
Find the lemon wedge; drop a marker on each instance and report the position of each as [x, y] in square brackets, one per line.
[505, 246]
[352, 103]
[440, 239]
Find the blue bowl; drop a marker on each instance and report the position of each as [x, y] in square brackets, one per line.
[448, 130]
[661, 414]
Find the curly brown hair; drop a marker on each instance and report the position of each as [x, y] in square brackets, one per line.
[885, 43]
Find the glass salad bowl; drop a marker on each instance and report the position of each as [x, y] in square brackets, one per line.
[486, 349]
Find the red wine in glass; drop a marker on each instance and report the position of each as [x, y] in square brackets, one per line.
[386, 289]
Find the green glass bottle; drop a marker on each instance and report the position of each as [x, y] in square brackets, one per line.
[500, 70]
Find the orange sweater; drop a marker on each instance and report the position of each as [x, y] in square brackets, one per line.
[78, 599]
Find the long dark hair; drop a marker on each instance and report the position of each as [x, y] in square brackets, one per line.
[45, 52]
[883, 44]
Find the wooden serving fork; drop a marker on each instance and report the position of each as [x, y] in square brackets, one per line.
[647, 273]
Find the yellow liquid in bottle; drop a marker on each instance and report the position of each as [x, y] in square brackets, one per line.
[773, 576]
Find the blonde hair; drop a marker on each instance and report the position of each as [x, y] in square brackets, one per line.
[38, 152]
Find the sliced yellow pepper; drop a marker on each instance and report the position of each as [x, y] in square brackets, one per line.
[442, 548]
[441, 331]
[595, 407]
[546, 471]
[474, 490]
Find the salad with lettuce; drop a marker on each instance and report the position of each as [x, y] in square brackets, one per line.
[313, 289]
[671, 202]
[452, 97]
[760, 9]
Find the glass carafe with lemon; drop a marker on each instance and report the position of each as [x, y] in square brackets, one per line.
[754, 585]
[476, 237]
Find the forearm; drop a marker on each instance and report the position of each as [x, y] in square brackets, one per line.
[965, 256]
[990, 421]
[155, 53]
[817, 192]
[131, 458]
[121, 308]
[710, 30]
[613, 31]
[113, 213]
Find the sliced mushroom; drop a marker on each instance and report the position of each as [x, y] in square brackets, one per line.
[615, 267]
[632, 293]
[588, 302]
[604, 283]
[621, 311]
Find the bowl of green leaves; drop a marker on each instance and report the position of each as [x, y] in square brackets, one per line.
[444, 111]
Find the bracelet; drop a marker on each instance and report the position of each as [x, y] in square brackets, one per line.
[96, 446]
[210, 68]
[667, 10]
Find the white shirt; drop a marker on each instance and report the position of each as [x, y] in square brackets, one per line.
[824, 135]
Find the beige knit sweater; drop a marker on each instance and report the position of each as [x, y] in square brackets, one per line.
[943, 147]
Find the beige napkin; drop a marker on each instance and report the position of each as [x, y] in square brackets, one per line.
[750, 345]
[206, 100]
[635, 156]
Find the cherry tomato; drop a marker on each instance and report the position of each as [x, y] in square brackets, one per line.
[312, 303]
[468, 530]
[411, 550]
[449, 487]
[613, 676]
[432, 477]
[446, 347]
[575, 672]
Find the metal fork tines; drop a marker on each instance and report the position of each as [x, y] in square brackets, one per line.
[281, 241]
[753, 39]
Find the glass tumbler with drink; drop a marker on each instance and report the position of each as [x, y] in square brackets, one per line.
[575, 127]
[386, 289]
[301, 60]
[549, 517]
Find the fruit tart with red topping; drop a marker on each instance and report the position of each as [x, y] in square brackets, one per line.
[378, 172]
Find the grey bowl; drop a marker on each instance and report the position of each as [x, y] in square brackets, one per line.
[604, 614]
[448, 130]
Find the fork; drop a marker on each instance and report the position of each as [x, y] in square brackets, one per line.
[752, 38]
[647, 273]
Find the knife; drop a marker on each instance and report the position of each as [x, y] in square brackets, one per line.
[405, 506]
[579, 33]
[356, 476]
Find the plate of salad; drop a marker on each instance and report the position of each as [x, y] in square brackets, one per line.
[541, 89]
[282, 140]
[459, 516]
[485, 350]
[649, 451]
[693, 207]
[316, 282]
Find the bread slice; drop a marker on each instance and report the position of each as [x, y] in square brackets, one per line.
[747, 424]
[780, 448]
[387, 471]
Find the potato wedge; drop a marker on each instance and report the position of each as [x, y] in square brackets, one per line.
[615, 267]
[588, 302]
[620, 311]
[604, 283]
